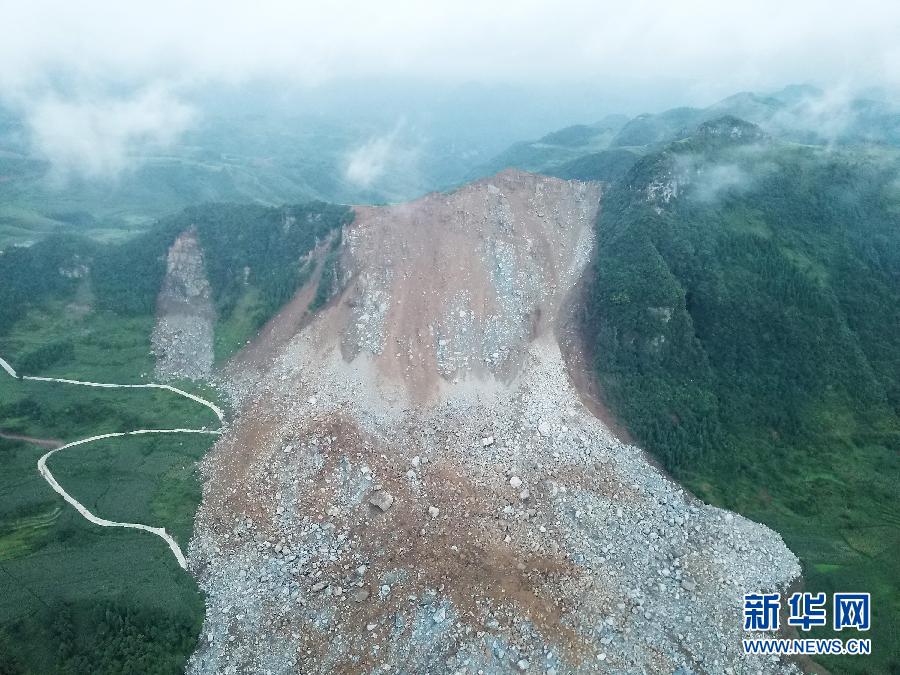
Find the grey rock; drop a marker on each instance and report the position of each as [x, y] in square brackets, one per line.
[381, 500]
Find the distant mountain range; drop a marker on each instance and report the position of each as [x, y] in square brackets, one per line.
[799, 113]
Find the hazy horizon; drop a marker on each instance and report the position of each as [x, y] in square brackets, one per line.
[98, 84]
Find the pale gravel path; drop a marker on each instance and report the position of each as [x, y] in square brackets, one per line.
[81, 508]
[8, 368]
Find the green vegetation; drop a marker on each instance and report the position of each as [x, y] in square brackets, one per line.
[652, 129]
[90, 637]
[256, 258]
[606, 150]
[123, 596]
[244, 320]
[271, 245]
[329, 278]
[102, 600]
[28, 276]
[746, 331]
[79, 598]
[261, 145]
[563, 152]
[801, 114]
[607, 166]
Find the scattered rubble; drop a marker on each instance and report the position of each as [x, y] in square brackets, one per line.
[182, 339]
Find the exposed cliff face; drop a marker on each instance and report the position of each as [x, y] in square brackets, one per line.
[415, 486]
[183, 337]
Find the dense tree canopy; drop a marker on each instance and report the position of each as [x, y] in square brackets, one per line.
[745, 317]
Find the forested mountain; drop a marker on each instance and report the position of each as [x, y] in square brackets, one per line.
[744, 317]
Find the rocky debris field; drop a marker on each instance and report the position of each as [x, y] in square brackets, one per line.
[182, 339]
[388, 502]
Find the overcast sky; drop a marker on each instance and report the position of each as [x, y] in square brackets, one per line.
[92, 73]
[713, 47]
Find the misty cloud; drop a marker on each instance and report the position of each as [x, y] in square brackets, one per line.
[367, 163]
[709, 49]
[713, 181]
[828, 115]
[710, 182]
[381, 155]
[100, 136]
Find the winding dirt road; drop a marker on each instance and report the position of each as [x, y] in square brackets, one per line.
[81, 508]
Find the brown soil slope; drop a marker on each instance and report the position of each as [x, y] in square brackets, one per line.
[413, 485]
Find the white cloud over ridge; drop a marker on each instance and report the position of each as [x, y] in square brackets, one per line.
[381, 155]
[368, 162]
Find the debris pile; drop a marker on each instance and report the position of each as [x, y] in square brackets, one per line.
[415, 485]
[182, 339]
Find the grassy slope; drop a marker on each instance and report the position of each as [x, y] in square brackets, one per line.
[121, 593]
[772, 386]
